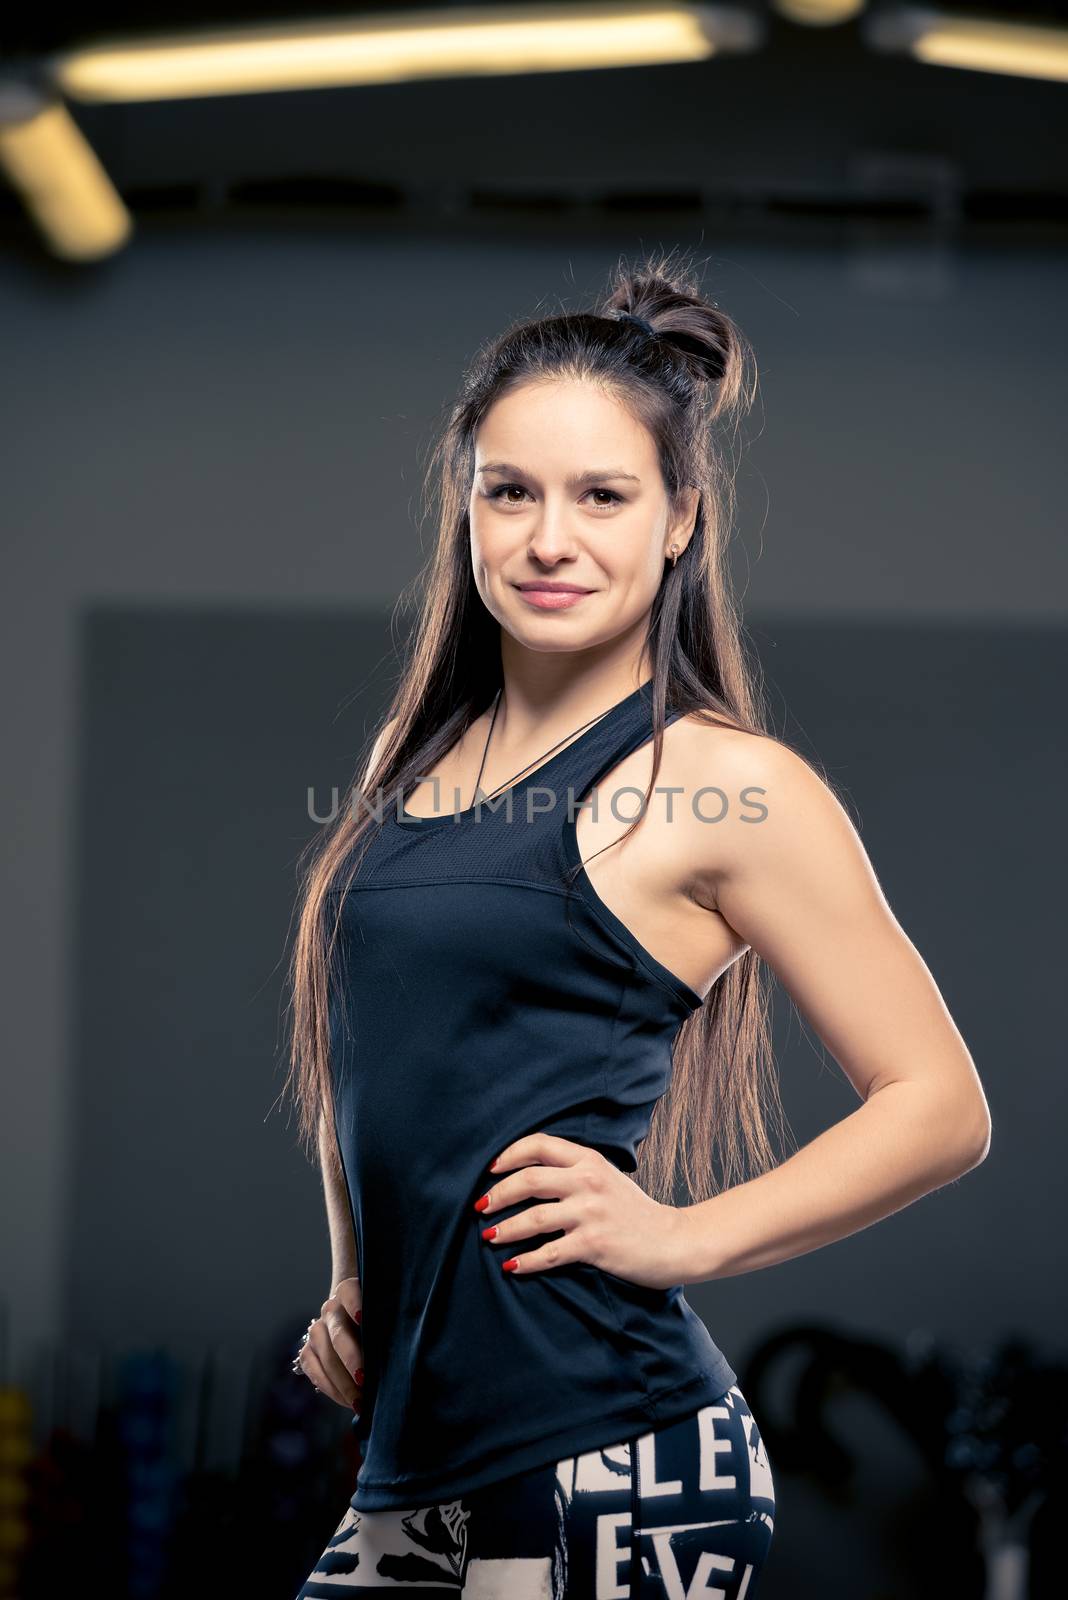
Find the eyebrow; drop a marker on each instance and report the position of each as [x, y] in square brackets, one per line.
[575, 481]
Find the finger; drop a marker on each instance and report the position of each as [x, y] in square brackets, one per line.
[343, 1327]
[543, 1183]
[557, 1253]
[349, 1292]
[341, 1379]
[547, 1148]
[529, 1223]
[313, 1371]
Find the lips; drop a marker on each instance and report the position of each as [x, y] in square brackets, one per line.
[552, 597]
[553, 588]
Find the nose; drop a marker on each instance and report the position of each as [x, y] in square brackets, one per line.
[552, 539]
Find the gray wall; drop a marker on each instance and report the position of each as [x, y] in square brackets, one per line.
[212, 484]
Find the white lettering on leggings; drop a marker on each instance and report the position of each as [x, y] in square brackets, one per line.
[711, 1447]
[707, 1562]
[610, 1554]
[647, 1471]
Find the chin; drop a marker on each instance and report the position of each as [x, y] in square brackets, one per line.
[548, 642]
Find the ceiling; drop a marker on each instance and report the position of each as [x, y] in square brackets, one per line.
[812, 129]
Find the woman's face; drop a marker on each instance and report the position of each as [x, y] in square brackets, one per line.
[567, 492]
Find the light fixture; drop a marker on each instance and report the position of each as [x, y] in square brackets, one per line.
[391, 47]
[1021, 49]
[819, 13]
[56, 173]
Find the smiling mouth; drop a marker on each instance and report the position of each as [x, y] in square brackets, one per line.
[552, 588]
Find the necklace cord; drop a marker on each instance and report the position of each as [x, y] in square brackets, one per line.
[537, 759]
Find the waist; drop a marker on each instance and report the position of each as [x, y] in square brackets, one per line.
[476, 1343]
[496, 1375]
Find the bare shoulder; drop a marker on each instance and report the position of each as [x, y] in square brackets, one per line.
[711, 746]
[381, 739]
[764, 797]
[385, 733]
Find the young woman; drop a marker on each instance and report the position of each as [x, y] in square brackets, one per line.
[527, 993]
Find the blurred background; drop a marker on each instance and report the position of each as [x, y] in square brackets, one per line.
[244, 256]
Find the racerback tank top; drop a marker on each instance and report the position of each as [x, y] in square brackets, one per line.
[480, 1000]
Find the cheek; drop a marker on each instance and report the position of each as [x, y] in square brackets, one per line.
[486, 543]
[634, 565]
[490, 550]
[495, 543]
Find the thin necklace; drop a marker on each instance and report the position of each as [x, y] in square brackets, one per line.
[519, 774]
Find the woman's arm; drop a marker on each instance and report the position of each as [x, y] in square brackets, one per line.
[799, 888]
[343, 1254]
[343, 1262]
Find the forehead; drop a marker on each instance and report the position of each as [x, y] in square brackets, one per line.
[566, 424]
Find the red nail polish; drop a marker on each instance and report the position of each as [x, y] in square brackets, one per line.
[357, 1376]
[493, 1164]
[480, 1205]
[357, 1315]
[356, 1407]
[510, 1265]
[490, 1233]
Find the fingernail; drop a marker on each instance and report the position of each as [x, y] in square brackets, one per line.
[357, 1316]
[480, 1205]
[357, 1376]
[490, 1233]
[356, 1407]
[510, 1265]
[493, 1163]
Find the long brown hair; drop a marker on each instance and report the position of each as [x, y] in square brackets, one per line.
[694, 375]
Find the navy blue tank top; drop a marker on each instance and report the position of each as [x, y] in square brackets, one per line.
[481, 1000]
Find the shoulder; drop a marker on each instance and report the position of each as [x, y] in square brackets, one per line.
[709, 742]
[740, 779]
[385, 733]
[381, 739]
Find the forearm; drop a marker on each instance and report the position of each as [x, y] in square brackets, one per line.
[900, 1144]
[343, 1259]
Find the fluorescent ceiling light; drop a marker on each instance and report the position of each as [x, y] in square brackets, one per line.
[391, 47]
[58, 177]
[819, 13]
[1021, 49]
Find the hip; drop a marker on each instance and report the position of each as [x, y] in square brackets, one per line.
[684, 1507]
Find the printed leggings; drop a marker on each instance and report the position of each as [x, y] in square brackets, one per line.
[685, 1512]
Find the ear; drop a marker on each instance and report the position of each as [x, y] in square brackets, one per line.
[680, 530]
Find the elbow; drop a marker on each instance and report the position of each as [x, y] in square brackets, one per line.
[976, 1147]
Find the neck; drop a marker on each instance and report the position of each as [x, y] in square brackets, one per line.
[541, 693]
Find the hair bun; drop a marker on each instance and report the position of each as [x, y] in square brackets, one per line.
[663, 295]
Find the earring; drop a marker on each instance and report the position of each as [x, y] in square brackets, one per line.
[674, 554]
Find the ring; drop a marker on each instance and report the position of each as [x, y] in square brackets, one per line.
[295, 1365]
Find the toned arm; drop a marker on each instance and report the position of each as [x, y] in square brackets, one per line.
[800, 889]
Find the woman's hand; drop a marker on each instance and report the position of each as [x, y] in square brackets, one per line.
[332, 1357]
[606, 1218]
